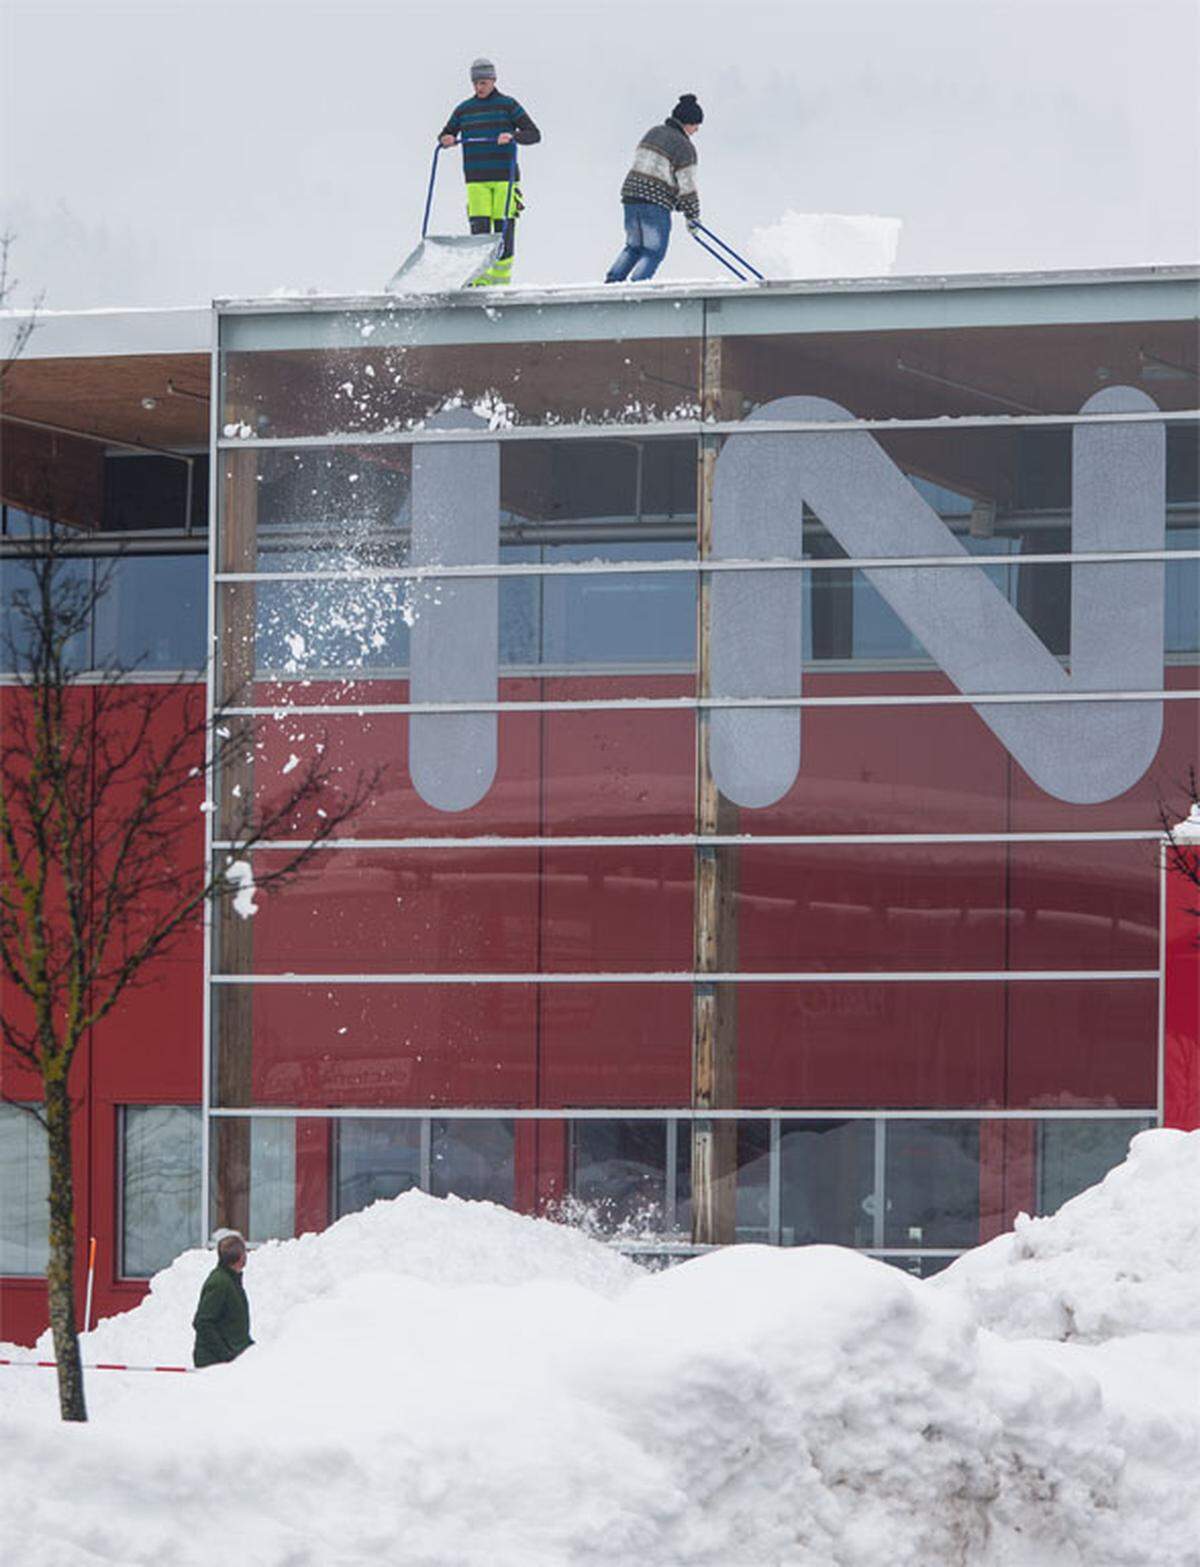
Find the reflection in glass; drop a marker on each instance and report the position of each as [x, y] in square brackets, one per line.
[826, 1179]
[160, 1186]
[473, 1159]
[375, 1159]
[24, 1193]
[1073, 1155]
[272, 1179]
[753, 1166]
[619, 1169]
[153, 613]
[931, 1182]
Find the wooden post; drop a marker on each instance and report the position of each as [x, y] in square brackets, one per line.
[714, 1006]
[233, 1006]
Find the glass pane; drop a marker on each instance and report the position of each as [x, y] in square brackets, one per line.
[614, 1045]
[503, 910]
[25, 1190]
[160, 1191]
[827, 1183]
[901, 368]
[1073, 1155]
[619, 1172]
[153, 613]
[392, 369]
[931, 1183]
[317, 1045]
[71, 592]
[744, 1149]
[472, 1159]
[272, 1179]
[375, 1159]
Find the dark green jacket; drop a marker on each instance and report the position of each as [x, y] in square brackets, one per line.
[222, 1320]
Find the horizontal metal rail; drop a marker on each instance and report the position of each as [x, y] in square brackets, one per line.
[682, 704]
[710, 567]
[694, 977]
[688, 840]
[691, 426]
[625, 1113]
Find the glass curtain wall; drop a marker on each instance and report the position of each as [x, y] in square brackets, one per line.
[728, 760]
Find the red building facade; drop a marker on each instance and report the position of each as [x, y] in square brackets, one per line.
[765, 843]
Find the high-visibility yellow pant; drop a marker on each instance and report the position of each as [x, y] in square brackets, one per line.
[490, 205]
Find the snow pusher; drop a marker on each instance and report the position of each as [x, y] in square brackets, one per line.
[697, 229]
[446, 261]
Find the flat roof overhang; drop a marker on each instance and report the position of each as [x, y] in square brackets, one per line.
[92, 372]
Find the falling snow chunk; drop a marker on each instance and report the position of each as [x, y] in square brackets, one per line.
[293, 761]
[237, 431]
[240, 873]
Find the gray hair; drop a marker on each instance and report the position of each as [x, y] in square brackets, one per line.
[230, 1248]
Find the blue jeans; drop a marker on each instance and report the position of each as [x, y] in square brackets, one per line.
[647, 231]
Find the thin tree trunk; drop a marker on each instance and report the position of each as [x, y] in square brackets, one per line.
[60, 1274]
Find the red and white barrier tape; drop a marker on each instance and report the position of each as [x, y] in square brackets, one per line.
[97, 1365]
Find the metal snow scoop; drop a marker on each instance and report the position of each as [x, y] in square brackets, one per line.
[697, 228]
[447, 261]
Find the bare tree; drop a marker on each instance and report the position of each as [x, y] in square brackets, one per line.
[100, 875]
[1182, 847]
[26, 323]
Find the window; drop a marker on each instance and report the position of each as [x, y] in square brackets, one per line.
[144, 491]
[376, 1159]
[472, 1158]
[24, 1193]
[151, 615]
[619, 1169]
[160, 1186]
[1074, 1155]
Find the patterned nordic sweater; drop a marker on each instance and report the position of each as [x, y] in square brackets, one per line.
[664, 170]
[477, 122]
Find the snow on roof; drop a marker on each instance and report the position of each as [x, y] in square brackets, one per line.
[131, 330]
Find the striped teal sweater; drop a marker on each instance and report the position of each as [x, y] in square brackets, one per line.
[486, 118]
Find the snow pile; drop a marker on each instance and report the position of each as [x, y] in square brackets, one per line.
[1121, 1258]
[827, 244]
[443, 1242]
[446, 1383]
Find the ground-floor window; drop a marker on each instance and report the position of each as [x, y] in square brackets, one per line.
[160, 1185]
[916, 1188]
[24, 1193]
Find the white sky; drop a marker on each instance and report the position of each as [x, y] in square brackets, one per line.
[167, 152]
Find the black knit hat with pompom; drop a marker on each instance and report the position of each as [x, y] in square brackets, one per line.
[687, 111]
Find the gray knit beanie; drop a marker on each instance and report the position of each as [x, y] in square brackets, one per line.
[482, 70]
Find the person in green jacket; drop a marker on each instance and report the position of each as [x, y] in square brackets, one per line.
[222, 1320]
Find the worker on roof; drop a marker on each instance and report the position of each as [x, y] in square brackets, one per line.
[487, 125]
[661, 181]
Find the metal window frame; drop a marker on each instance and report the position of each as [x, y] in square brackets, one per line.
[281, 711]
[688, 840]
[672, 1120]
[696, 977]
[678, 429]
[709, 567]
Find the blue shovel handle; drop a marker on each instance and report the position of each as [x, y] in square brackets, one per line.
[512, 179]
[697, 228]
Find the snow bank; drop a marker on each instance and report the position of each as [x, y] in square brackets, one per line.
[1121, 1258]
[446, 1383]
[441, 1242]
[827, 245]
